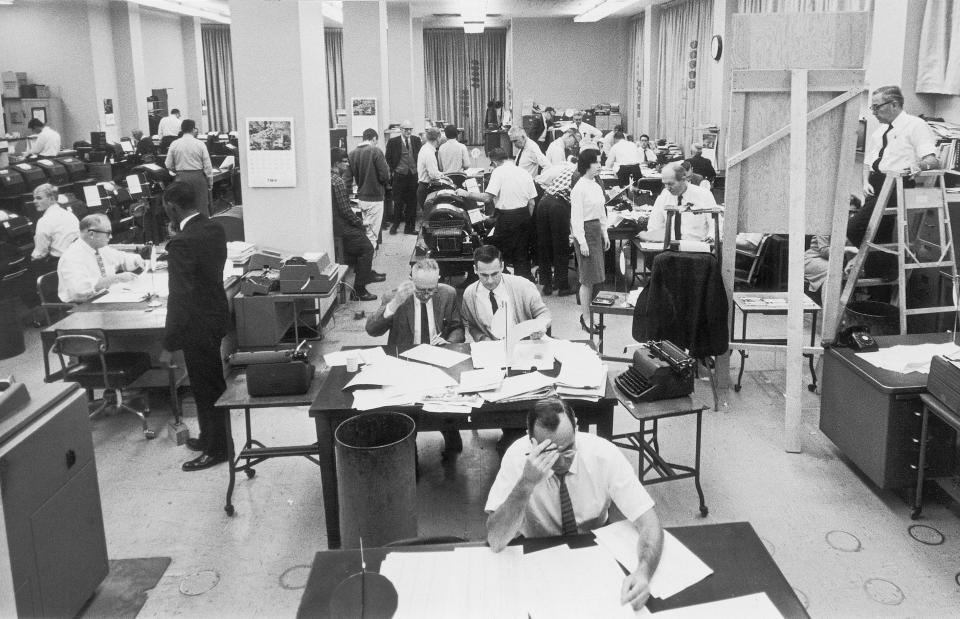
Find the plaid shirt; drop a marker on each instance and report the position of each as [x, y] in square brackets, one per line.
[560, 187]
[343, 215]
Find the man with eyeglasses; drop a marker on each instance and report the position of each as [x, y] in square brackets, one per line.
[89, 266]
[402, 153]
[558, 481]
[420, 311]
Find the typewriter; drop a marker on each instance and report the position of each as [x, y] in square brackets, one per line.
[660, 371]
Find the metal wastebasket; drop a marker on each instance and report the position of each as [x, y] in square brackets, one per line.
[11, 332]
[881, 318]
[376, 478]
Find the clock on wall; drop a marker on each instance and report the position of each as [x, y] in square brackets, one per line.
[716, 47]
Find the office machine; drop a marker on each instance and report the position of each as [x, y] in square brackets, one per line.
[56, 172]
[660, 371]
[264, 259]
[943, 382]
[452, 225]
[313, 274]
[98, 139]
[33, 175]
[264, 281]
[300, 353]
[12, 188]
[153, 172]
[276, 372]
[16, 242]
[76, 170]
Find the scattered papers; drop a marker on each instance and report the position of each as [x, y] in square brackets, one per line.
[581, 372]
[144, 286]
[449, 402]
[592, 394]
[904, 359]
[580, 584]
[514, 386]
[755, 606]
[435, 355]
[366, 355]
[414, 377]
[472, 381]
[524, 355]
[678, 569]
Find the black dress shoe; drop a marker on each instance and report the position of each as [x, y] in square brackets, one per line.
[204, 461]
[547, 290]
[376, 273]
[194, 444]
[378, 277]
[394, 228]
[566, 292]
[363, 295]
[594, 330]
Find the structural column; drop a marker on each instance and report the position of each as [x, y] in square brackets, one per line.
[193, 74]
[365, 51]
[131, 108]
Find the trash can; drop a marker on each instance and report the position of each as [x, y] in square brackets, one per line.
[881, 318]
[11, 333]
[376, 478]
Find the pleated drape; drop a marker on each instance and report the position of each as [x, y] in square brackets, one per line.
[462, 73]
[635, 59]
[336, 97]
[802, 6]
[938, 63]
[218, 76]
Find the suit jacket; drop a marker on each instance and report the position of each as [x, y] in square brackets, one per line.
[536, 128]
[197, 305]
[446, 319]
[702, 166]
[395, 151]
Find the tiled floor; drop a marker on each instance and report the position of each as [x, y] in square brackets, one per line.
[844, 545]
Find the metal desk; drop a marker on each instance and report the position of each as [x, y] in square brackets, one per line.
[619, 308]
[932, 405]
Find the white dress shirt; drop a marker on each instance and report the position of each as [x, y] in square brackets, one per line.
[693, 226]
[909, 141]
[47, 143]
[511, 187]
[556, 153]
[56, 230]
[169, 125]
[427, 167]
[530, 158]
[599, 475]
[590, 136]
[586, 203]
[624, 152]
[189, 153]
[454, 156]
[648, 156]
[79, 272]
[485, 309]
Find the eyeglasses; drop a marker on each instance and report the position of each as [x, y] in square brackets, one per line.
[876, 107]
[107, 232]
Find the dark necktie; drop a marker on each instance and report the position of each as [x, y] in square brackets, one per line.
[103, 269]
[566, 507]
[519, 155]
[493, 302]
[676, 219]
[883, 147]
[406, 144]
[424, 324]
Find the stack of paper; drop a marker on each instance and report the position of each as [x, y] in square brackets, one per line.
[394, 382]
[364, 356]
[435, 355]
[473, 381]
[905, 359]
[239, 252]
[525, 355]
[593, 387]
[523, 387]
[579, 584]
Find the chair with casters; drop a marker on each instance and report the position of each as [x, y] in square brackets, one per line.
[85, 358]
[426, 541]
[458, 178]
[50, 303]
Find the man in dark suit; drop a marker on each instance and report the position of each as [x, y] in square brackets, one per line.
[197, 316]
[402, 154]
[700, 164]
[421, 311]
[539, 130]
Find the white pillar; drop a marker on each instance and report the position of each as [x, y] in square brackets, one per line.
[365, 60]
[400, 75]
[194, 79]
[131, 106]
[417, 77]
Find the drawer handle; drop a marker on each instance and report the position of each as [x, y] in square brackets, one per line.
[71, 458]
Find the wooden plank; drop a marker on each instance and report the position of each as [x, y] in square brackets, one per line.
[785, 131]
[831, 288]
[795, 295]
[779, 81]
[810, 40]
[816, 351]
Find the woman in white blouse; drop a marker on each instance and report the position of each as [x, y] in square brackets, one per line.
[588, 225]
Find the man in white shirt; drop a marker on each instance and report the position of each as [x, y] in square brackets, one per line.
[47, 143]
[648, 153]
[676, 191]
[558, 481]
[560, 150]
[189, 161]
[428, 167]
[624, 159]
[169, 125]
[902, 144]
[454, 156]
[528, 155]
[57, 229]
[514, 197]
[590, 135]
[89, 266]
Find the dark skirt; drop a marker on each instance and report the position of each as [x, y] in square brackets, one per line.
[591, 268]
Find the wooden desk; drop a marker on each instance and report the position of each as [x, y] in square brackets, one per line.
[741, 566]
[333, 405]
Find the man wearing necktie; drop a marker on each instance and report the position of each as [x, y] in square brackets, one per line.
[678, 192]
[557, 481]
[420, 311]
[402, 152]
[89, 266]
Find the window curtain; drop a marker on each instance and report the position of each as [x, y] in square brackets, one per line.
[680, 109]
[802, 6]
[333, 37]
[462, 73]
[218, 76]
[938, 63]
[635, 79]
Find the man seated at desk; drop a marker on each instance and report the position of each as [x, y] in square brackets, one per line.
[560, 150]
[648, 152]
[678, 192]
[89, 266]
[421, 311]
[562, 482]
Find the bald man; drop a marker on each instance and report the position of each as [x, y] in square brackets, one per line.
[677, 191]
[89, 266]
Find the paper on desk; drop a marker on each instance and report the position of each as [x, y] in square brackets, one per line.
[527, 354]
[472, 381]
[369, 399]
[754, 606]
[592, 394]
[366, 355]
[138, 289]
[396, 372]
[678, 569]
[909, 358]
[582, 372]
[514, 386]
[435, 355]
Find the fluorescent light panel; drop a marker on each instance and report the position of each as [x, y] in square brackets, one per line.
[192, 9]
[333, 11]
[473, 10]
[473, 27]
[601, 10]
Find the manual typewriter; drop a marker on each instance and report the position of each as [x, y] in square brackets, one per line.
[660, 371]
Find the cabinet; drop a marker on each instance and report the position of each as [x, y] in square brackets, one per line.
[53, 552]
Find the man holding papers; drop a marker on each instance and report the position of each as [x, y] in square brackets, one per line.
[420, 311]
[89, 266]
[562, 482]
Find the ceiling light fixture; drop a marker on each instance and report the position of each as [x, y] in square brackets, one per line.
[333, 11]
[601, 10]
[191, 9]
[473, 27]
[473, 10]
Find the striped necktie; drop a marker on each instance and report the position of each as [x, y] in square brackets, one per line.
[103, 269]
[566, 507]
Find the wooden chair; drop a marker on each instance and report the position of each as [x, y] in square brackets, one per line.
[93, 366]
[50, 304]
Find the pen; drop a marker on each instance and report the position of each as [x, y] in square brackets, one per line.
[547, 450]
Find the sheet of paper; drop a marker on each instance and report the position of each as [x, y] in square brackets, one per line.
[755, 606]
[678, 569]
[514, 386]
[366, 355]
[633, 296]
[471, 185]
[581, 372]
[586, 393]
[536, 354]
[475, 214]
[143, 286]
[415, 377]
[472, 381]
[133, 184]
[905, 359]
[369, 399]
[91, 195]
[435, 355]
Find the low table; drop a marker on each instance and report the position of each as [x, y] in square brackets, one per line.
[619, 308]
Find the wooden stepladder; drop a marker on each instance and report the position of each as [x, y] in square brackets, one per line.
[921, 213]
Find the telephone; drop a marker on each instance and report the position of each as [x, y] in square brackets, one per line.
[857, 337]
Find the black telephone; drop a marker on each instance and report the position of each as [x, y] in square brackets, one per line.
[857, 337]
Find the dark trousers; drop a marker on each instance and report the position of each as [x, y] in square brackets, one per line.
[423, 190]
[624, 173]
[512, 239]
[359, 253]
[405, 200]
[205, 370]
[878, 264]
[553, 240]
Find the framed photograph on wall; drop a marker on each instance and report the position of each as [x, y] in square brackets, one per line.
[271, 157]
[363, 115]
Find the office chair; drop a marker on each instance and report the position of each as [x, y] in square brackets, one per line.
[749, 260]
[458, 178]
[50, 304]
[94, 367]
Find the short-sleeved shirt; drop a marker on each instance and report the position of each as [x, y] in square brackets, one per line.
[693, 226]
[512, 187]
[909, 141]
[599, 475]
[57, 229]
[454, 156]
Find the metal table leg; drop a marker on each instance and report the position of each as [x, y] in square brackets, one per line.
[743, 353]
[922, 462]
[813, 342]
[696, 468]
[231, 462]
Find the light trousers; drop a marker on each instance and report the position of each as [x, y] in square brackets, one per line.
[372, 215]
